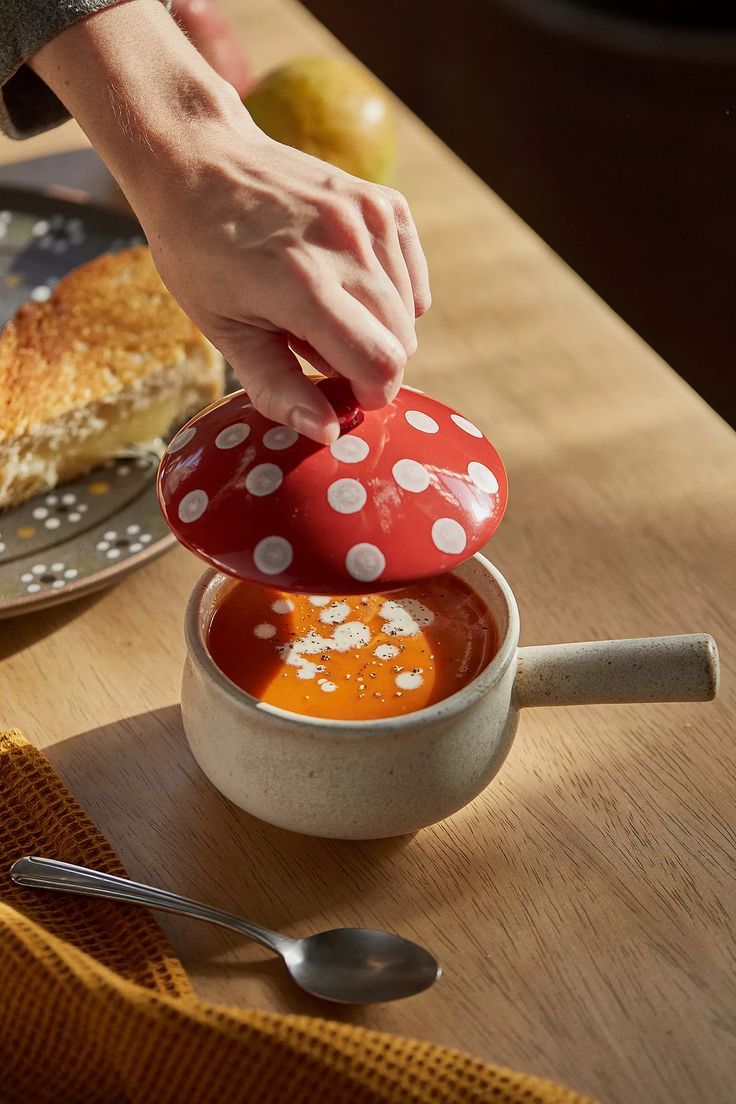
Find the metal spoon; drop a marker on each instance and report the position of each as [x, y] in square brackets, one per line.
[348, 965]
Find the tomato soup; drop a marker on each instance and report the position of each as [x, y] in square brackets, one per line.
[355, 658]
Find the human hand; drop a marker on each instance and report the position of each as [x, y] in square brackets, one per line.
[271, 252]
[284, 254]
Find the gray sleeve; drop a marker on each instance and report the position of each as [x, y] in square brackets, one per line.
[27, 104]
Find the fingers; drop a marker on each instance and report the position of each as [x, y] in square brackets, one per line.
[381, 223]
[416, 262]
[276, 386]
[354, 343]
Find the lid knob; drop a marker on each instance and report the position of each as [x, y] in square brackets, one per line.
[339, 395]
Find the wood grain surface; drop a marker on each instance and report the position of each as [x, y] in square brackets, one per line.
[583, 907]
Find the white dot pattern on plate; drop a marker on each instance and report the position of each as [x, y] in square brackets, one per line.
[411, 475]
[386, 651]
[463, 423]
[264, 631]
[282, 605]
[417, 419]
[349, 450]
[192, 506]
[346, 496]
[364, 562]
[52, 523]
[319, 600]
[264, 479]
[272, 555]
[327, 686]
[233, 435]
[449, 536]
[482, 477]
[41, 294]
[280, 437]
[40, 513]
[182, 438]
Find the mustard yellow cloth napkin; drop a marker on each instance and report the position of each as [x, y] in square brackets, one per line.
[97, 1008]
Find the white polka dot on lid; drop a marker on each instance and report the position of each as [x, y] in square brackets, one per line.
[191, 507]
[232, 435]
[346, 496]
[349, 450]
[418, 420]
[411, 475]
[264, 631]
[364, 562]
[280, 437]
[463, 423]
[264, 479]
[482, 477]
[182, 438]
[272, 555]
[449, 536]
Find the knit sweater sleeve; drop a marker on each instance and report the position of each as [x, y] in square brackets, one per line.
[27, 104]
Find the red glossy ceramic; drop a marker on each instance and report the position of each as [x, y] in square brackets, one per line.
[405, 493]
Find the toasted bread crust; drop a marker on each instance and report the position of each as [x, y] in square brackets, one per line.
[108, 325]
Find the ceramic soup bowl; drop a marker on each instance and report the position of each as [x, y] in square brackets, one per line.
[371, 779]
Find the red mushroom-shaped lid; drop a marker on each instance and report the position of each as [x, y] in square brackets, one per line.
[404, 494]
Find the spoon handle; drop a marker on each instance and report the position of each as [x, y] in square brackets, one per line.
[41, 873]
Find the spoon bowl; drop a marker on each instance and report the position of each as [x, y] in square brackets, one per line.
[361, 966]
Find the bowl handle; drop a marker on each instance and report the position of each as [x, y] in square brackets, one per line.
[649, 669]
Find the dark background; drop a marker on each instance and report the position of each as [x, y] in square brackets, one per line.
[609, 126]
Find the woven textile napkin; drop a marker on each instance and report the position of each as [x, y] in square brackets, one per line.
[97, 1008]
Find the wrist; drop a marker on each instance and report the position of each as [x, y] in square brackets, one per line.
[142, 93]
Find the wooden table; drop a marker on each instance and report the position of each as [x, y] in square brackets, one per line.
[584, 905]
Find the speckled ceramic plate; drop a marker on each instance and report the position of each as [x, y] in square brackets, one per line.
[86, 534]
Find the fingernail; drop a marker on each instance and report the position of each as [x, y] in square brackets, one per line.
[309, 424]
[392, 389]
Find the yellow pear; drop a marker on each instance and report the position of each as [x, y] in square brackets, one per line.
[332, 109]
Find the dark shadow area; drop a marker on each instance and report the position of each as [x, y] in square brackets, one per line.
[611, 134]
[189, 820]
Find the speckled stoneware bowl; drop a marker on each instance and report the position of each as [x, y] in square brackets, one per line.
[370, 779]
